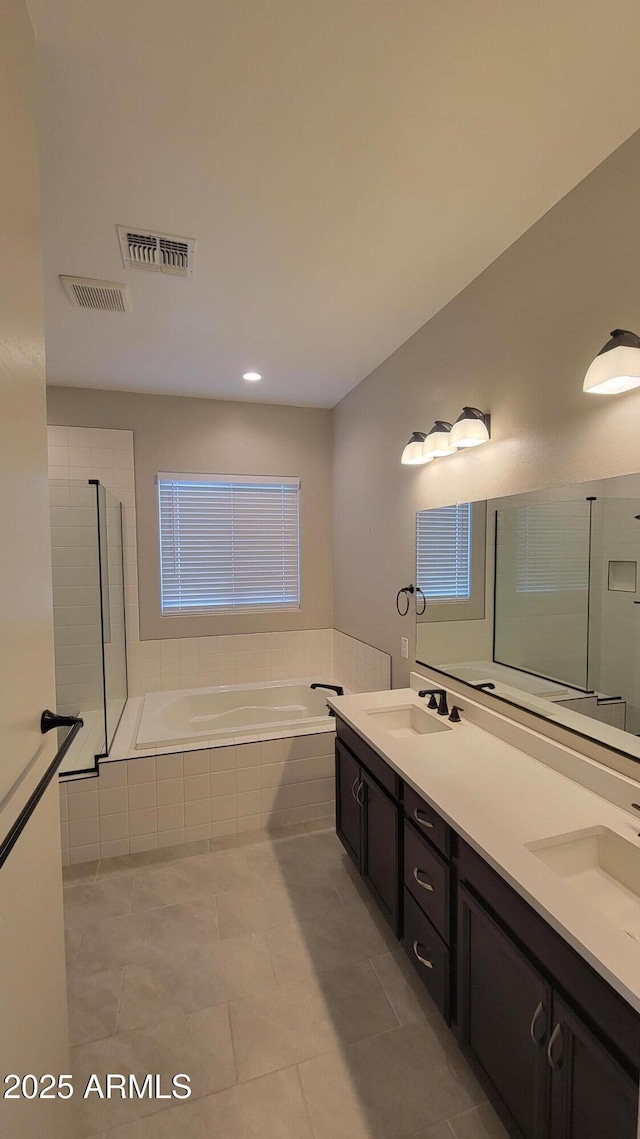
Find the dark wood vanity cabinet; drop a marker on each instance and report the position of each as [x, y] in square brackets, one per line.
[504, 1013]
[368, 823]
[555, 1047]
[348, 805]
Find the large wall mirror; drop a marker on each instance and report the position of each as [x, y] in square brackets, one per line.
[536, 597]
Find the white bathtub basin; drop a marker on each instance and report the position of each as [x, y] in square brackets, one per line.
[183, 716]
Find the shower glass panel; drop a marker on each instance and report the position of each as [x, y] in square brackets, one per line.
[542, 589]
[88, 615]
[113, 624]
[614, 612]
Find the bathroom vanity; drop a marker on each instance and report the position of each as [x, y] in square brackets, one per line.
[514, 892]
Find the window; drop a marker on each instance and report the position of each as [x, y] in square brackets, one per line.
[552, 547]
[443, 544]
[228, 542]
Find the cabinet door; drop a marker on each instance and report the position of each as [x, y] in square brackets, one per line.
[380, 848]
[591, 1095]
[348, 802]
[504, 1018]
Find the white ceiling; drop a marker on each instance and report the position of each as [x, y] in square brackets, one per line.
[346, 166]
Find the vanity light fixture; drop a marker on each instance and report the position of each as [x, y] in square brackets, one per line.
[438, 441]
[616, 368]
[413, 454]
[252, 376]
[471, 428]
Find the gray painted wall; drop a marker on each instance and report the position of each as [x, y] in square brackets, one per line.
[173, 433]
[516, 342]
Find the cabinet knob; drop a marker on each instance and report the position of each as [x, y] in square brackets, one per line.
[556, 1035]
[419, 817]
[534, 1024]
[423, 960]
[426, 885]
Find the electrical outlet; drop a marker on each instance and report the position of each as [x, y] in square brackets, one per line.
[404, 647]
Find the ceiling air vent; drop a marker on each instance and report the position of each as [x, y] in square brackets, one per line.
[101, 296]
[159, 252]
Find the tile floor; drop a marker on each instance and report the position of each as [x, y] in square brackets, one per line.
[257, 966]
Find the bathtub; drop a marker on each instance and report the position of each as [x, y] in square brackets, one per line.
[186, 716]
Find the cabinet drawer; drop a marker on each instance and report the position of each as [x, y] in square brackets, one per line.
[428, 954]
[369, 758]
[426, 877]
[427, 820]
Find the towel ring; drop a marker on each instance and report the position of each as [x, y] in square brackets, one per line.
[419, 612]
[406, 589]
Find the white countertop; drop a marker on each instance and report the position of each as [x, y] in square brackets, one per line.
[498, 798]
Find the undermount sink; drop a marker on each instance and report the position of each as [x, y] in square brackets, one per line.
[601, 865]
[408, 720]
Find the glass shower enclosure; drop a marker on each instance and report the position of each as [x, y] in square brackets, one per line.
[88, 615]
[567, 598]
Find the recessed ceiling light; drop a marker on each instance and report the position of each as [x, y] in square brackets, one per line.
[252, 376]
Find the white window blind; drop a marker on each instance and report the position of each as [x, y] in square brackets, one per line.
[552, 547]
[443, 544]
[228, 542]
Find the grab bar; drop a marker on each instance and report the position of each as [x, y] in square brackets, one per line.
[48, 720]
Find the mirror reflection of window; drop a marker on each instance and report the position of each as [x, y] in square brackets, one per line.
[542, 580]
[450, 561]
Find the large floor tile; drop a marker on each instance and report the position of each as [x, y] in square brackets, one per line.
[191, 878]
[348, 885]
[198, 1044]
[271, 1107]
[247, 911]
[89, 903]
[480, 1123]
[387, 1086]
[315, 945]
[206, 975]
[288, 1023]
[145, 859]
[438, 1131]
[72, 939]
[147, 936]
[81, 872]
[293, 874]
[92, 1001]
[407, 995]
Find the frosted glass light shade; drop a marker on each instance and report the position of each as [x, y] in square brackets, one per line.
[438, 441]
[413, 454]
[470, 429]
[616, 368]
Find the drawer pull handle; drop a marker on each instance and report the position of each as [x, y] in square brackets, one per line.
[360, 789]
[534, 1024]
[421, 881]
[555, 1035]
[421, 959]
[418, 816]
[353, 789]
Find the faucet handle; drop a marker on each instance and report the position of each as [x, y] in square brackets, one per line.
[454, 715]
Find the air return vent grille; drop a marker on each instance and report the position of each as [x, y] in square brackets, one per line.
[159, 252]
[101, 296]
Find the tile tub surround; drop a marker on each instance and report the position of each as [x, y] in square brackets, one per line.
[171, 798]
[297, 1018]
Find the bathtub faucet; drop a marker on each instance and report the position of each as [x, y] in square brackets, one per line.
[337, 688]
